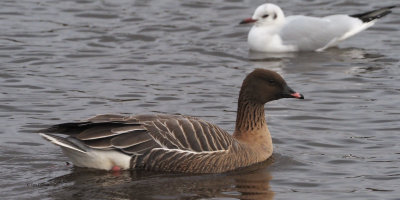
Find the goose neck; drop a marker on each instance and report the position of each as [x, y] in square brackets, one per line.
[250, 117]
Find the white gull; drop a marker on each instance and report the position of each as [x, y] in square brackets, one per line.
[273, 32]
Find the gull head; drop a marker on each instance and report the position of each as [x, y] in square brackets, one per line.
[266, 14]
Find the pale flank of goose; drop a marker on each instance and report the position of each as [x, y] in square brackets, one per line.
[177, 143]
[273, 32]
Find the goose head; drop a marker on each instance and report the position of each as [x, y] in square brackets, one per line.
[262, 86]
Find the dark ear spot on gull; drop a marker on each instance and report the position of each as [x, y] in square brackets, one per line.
[275, 15]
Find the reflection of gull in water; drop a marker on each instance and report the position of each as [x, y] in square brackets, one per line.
[249, 183]
[273, 32]
[347, 60]
[331, 55]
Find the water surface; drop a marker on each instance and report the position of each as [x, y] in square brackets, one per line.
[69, 60]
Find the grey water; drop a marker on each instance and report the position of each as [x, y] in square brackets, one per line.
[63, 61]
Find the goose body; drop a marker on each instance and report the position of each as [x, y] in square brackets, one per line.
[273, 32]
[176, 143]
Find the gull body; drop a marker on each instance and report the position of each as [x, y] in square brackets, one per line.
[273, 32]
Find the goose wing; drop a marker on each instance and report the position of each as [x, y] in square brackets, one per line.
[137, 135]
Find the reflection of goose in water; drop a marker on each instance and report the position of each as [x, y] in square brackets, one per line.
[249, 183]
[254, 185]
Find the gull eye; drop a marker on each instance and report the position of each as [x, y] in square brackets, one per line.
[265, 16]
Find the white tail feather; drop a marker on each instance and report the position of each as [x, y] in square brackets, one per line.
[91, 158]
[60, 143]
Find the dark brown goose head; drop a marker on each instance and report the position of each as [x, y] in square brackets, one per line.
[258, 88]
[262, 86]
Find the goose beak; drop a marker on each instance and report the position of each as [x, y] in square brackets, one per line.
[290, 93]
[297, 95]
[247, 21]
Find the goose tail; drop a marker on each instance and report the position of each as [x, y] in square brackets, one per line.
[62, 142]
[83, 156]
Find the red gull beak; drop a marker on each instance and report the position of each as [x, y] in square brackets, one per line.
[247, 21]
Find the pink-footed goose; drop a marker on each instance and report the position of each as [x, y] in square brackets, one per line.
[177, 143]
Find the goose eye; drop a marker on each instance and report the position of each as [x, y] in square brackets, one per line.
[265, 16]
[271, 81]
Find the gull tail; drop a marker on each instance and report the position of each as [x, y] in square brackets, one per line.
[374, 14]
